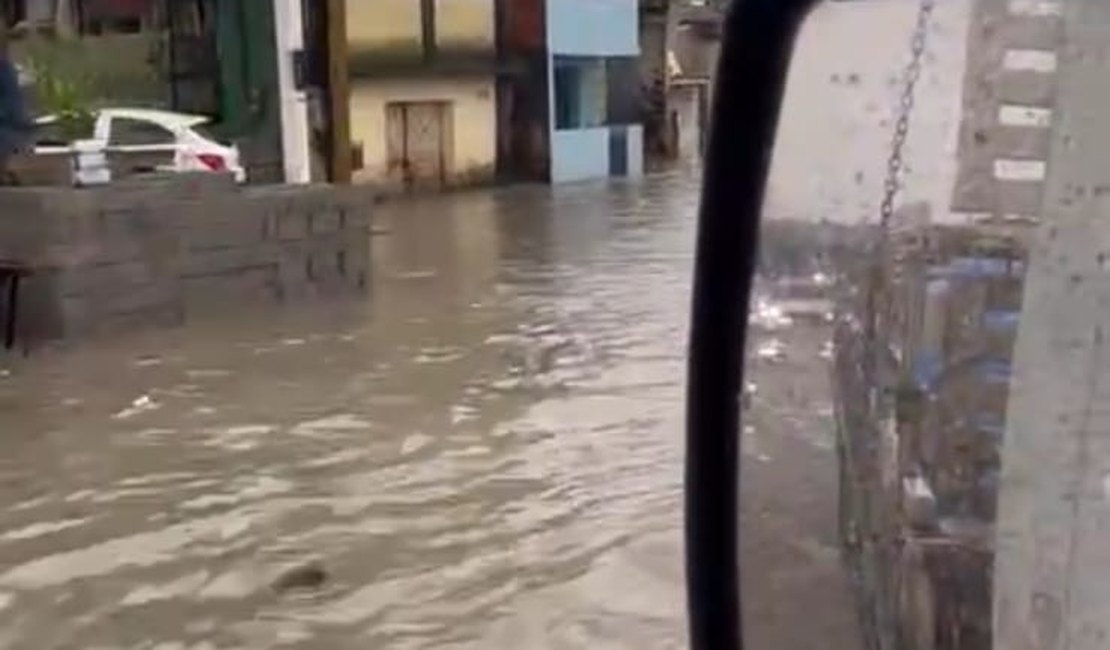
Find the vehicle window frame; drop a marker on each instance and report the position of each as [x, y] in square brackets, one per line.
[114, 120]
[39, 142]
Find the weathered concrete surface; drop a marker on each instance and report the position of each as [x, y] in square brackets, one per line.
[158, 251]
[1052, 573]
[998, 30]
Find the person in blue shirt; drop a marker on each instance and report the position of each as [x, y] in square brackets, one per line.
[15, 125]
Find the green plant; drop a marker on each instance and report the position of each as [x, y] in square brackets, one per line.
[68, 102]
[60, 92]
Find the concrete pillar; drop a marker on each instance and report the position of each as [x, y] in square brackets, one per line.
[654, 27]
[295, 133]
[1052, 565]
[1006, 85]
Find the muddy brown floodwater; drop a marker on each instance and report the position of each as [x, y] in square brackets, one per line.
[486, 454]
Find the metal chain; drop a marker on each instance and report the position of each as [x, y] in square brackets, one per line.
[911, 75]
[891, 187]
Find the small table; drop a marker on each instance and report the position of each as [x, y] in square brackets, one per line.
[11, 273]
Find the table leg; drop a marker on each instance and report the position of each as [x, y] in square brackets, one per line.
[13, 295]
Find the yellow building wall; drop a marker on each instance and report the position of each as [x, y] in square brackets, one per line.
[473, 124]
[384, 24]
[395, 25]
[467, 24]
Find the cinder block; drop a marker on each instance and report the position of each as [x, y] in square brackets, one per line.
[222, 261]
[20, 238]
[227, 223]
[291, 224]
[324, 219]
[98, 280]
[297, 272]
[19, 203]
[149, 297]
[219, 292]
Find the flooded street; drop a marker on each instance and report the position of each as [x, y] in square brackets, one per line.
[486, 454]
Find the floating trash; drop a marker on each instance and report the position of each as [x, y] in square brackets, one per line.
[140, 405]
[311, 575]
[415, 443]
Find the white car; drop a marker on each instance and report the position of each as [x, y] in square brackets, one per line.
[141, 139]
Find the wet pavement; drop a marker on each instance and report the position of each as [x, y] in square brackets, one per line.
[485, 454]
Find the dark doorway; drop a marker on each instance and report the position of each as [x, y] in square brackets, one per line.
[618, 151]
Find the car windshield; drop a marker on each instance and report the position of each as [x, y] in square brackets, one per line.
[407, 368]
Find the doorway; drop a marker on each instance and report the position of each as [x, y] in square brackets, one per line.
[418, 136]
[618, 151]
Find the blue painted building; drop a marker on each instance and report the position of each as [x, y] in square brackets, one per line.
[595, 118]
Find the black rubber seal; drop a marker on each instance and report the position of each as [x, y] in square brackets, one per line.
[755, 55]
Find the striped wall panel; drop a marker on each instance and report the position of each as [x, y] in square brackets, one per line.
[1009, 92]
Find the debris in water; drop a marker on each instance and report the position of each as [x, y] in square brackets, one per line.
[416, 275]
[207, 373]
[340, 423]
[415, 443]
[462, 413]
[308, 576]
[140, 405]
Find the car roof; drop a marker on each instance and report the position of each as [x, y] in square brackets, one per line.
[168, 119]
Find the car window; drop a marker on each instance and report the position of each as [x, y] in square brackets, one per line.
[49, 134]
[131, 132]
[208, 132]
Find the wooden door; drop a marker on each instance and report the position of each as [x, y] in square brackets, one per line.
[416, 149]
[424, 142]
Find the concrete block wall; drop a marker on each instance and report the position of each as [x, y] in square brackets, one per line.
[163, 250]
